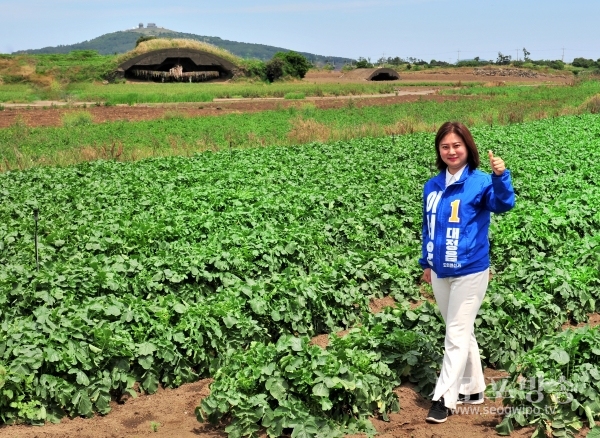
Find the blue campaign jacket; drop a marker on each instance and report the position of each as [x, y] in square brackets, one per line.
[456, 220]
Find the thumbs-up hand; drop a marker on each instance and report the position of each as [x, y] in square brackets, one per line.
[497, 164]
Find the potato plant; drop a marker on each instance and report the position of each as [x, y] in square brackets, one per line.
[166, 270]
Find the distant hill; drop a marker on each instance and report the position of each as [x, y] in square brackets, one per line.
[124, 41]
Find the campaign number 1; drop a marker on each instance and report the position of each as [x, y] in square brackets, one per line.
[454, 216]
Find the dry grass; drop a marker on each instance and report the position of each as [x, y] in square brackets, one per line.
[591, 105]
[24, 68]
[513, 115]
[180, 43]
[308, 130]
[114, 151]
[495, 84]
[406, 126]
[488, 119]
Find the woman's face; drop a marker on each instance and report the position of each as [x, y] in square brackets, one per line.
[453, 152]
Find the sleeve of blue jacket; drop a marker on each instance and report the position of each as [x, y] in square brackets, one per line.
[423, 259]
[499, 197]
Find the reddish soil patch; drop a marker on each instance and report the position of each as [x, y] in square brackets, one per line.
[52, 116]
[170, 410]
[378, 304]
[593, 320]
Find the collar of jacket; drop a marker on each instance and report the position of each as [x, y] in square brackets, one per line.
[440, 178]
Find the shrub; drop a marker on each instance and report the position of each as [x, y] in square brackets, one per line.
[583, 62]
[363, 63]
[255, 68]
[469, 63]
[555, 64]
[274, 69]
[434, 63]
[294, 64]
[144, 38]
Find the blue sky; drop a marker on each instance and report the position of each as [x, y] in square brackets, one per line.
[427, 29]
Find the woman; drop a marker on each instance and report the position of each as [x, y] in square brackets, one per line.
[455, 257]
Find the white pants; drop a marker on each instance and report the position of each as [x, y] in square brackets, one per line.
[459, 299]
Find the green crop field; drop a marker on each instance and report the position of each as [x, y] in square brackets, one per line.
[131, 94]
[175, 134]
[225, 263]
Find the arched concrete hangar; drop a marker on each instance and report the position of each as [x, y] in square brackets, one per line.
[177, 65]
[373, 74]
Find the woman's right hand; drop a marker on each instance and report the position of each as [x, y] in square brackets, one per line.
[426, 275]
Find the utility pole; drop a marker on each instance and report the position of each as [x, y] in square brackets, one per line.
[517, 54]
[563, 55]
[458, 56]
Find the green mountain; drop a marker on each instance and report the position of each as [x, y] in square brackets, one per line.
[123, 41]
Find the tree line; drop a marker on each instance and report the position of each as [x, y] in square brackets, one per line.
[501, 59]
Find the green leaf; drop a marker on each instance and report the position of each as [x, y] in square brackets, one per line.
[83, 403]
[277, 387]
[52, 355]
[82, 379]
[103, 403]
[296, 344]
[594, 432]
[268, 369]
[179, 308]
[326, 404]
[146, 362]
[229, 321]
[112, 311]
[305, 430]
[146, 348]
[179, 337]
[505, 427]
[20, 369]
[150, 382]
[590, 416]
[321, 390]
[290, 248]
[412, 316]
[258, 306]
[560, 356]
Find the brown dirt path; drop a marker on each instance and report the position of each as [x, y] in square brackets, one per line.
[52, 116]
